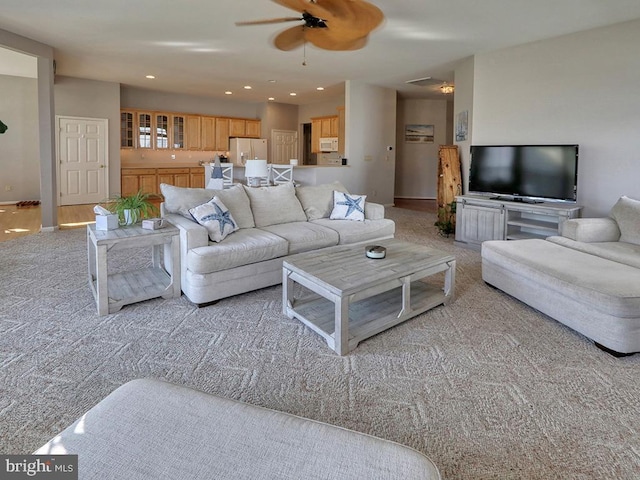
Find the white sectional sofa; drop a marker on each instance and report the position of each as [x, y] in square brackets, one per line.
[273, 222]
[588, 278]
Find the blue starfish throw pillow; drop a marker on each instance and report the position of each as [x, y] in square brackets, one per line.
[347, 207]
[216, 218]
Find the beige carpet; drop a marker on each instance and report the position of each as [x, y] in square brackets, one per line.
[486, 387]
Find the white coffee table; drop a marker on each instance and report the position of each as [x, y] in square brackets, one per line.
[357, 297]
[114, 290]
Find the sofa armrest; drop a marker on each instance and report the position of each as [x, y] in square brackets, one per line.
[192, 235]
[373, 211]
[591, 230]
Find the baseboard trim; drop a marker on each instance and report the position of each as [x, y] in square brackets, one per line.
[49, 229]
[415, 198]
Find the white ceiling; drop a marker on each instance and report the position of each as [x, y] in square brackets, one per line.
[193, 46]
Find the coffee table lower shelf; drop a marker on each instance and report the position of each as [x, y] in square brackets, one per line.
[367, 317]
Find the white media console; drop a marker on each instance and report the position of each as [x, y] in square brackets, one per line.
[480, 218]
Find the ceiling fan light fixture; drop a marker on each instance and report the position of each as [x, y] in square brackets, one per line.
[446, 88]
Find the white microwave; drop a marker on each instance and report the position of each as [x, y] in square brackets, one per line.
[329, 144]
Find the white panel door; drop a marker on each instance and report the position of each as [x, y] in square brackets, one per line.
[284, 146]
[82, 159]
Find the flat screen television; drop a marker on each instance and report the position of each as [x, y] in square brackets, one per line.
[525, 172]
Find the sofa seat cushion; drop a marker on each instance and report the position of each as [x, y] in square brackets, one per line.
[248, 245]
[354, 232]
[593, 281]
[621, 252]
[275, 205]
[304, 236]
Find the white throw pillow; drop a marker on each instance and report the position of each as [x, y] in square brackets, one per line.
[216, 218]
[348, 207]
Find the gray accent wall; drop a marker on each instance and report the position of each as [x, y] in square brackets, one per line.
[19, 152]
[77, 97]
[417, 164]
[581, 88]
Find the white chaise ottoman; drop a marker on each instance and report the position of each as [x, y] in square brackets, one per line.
[149, 429]
[596, 297]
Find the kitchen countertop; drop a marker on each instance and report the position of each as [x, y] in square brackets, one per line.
[196, 165]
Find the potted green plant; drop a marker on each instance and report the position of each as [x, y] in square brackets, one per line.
[133, 208]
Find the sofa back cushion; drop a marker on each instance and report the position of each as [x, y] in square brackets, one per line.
[275, 205]
[317, 200]
[180, 200]
[626, 212]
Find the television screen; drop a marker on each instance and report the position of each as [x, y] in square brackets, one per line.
[530, 171]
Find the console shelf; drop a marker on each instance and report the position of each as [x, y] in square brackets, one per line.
[480, 218]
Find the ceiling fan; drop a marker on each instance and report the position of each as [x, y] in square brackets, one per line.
[328, 24]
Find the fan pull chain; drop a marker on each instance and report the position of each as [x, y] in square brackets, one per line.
[304, 53]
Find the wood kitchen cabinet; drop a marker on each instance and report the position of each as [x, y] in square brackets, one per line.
[145, 130]
[341, 130]
[208, 133]
[222, 134]
[149, 179]
[134, 179]
[253, 128]
[321, 127]
[196, 177]
[239, 127]
[177, 132]
[180, 177]
[161, 131]
[127, 128]
[193, 133]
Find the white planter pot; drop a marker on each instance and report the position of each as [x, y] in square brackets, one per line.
[130, 217]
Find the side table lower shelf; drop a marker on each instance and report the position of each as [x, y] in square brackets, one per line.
[134, 286]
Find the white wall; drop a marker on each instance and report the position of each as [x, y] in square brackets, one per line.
[581, 88]
[140, 98]
[370, 127]
[463, 102]
[417, 163]
[19, 152]
[77, 97]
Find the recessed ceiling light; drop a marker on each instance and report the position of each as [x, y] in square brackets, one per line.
[320, 88]
[228, 92]
[293, 94]
[150, 77]
[247, 87]
[271, 98]
[272, 81]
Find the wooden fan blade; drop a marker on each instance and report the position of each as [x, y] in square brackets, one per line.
[290, 38]
[269, 20]
[297, 5]
[323, 38]
[362, 16]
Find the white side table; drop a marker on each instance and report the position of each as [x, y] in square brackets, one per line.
[114, 290]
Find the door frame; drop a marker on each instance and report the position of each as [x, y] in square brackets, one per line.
[105, 121]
